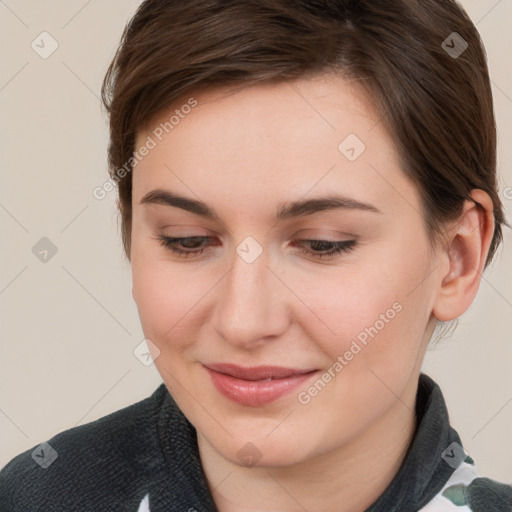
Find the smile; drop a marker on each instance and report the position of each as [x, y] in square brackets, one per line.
[256, 386]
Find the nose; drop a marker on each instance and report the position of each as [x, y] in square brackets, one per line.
[252, 303]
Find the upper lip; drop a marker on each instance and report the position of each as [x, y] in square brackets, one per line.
[256, 372]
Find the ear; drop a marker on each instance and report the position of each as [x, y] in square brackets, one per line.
[464, 257]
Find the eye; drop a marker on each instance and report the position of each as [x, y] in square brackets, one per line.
[190, 244]
[191, 247]
[337, 247]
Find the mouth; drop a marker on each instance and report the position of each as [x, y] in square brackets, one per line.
[257, 385]
[261, 373]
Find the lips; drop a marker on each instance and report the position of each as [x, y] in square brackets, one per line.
[258, 385]
[257, 372]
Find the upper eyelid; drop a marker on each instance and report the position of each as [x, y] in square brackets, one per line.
[319, 238]
[326, 255]
[346, 245]
[205, 238]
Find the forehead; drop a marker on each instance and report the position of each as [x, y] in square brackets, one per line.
[321, 133]
[327, 102]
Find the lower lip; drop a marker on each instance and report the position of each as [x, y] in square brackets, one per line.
[255, 392]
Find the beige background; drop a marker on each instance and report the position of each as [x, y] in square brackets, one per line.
[70, 325]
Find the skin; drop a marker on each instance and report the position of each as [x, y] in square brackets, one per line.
[244, 152]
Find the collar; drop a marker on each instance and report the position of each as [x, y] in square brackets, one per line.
[424, 471]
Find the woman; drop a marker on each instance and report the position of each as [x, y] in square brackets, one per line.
[307, 189]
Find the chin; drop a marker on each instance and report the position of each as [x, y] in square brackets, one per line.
[263, 452]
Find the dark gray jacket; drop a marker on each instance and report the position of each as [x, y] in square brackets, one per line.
[145, 457]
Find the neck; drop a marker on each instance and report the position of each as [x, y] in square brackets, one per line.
[348, 479]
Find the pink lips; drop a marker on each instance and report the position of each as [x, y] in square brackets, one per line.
[250, 386]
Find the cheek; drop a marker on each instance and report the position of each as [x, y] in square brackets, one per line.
[370, 303]
[165, 296]
[372, 315]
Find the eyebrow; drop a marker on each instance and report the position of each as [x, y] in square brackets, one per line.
[300, 208]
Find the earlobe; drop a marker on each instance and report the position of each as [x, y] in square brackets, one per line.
[469, 243]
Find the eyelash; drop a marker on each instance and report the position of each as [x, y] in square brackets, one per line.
[344, 246]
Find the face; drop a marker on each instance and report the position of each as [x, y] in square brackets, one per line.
[260, 283]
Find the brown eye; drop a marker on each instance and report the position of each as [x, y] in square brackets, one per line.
[195, 245]
[337, 247]
[191, 244]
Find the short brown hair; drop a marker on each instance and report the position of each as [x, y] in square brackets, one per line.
[437, 106]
